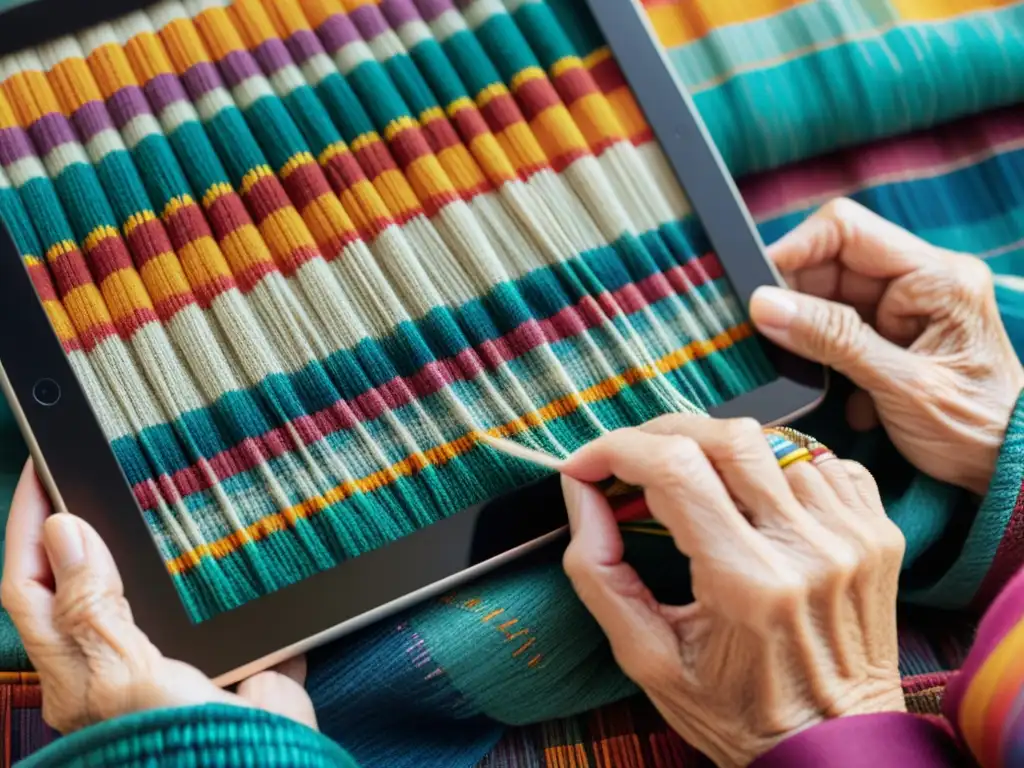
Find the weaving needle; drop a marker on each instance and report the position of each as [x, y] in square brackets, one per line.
[614, 489]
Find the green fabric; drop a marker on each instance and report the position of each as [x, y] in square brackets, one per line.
[212, 735]
[12, 458]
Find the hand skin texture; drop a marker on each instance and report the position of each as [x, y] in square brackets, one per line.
[794, 576]
[65, 596]
[914, 326]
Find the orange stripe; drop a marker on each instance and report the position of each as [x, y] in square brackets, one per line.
[442, 454]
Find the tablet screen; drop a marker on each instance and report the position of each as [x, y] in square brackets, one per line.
[299, 258]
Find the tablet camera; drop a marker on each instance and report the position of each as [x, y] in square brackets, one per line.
[46, 392]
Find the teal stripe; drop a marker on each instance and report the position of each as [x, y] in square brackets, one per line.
[502, 475]
[773, 116]
[975, 209]
[250, 422]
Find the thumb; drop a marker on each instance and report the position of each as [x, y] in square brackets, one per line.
[829, 333]
[609, 587]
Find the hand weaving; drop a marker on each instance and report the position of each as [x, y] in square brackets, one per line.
[458, 668]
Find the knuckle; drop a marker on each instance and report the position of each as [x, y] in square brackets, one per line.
[678, 458]
[744, 432]
[974, 277]
[782, 591]
[839, 329]
[890, 543]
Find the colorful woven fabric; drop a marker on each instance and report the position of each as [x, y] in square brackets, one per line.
[783, 80]
[426, 690]
[300, 258]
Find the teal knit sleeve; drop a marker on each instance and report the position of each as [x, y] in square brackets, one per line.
[214, 734]
[981, 558]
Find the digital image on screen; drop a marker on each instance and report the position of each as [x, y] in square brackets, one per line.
[301, 253]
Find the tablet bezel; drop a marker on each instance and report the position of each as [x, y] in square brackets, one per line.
[83, 476]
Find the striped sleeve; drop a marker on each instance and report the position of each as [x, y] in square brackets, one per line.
[985, 701]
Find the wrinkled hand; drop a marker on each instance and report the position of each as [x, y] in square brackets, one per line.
[65, 596]
[914, 326]
[794, 576]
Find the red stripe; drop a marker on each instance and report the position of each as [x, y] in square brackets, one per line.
[107, 257]
[266, 197]
[567, 323]
[607, 75]
[501, 112]
[41, 280]
[70, 272]
[305, 184]
[186, 225]
[375, 158]
[575, 84]
[535, 96]
[148, 240]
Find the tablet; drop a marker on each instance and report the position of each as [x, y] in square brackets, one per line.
[258, 521]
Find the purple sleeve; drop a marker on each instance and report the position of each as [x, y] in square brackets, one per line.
[885, 740]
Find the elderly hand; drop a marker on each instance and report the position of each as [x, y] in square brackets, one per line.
[794, 578]
[65, 596]
[915, 327]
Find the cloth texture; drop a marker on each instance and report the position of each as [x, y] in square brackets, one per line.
[209, 148]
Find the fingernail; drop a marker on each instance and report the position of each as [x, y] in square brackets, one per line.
[573, 492]
[64, 544]
[772, 307]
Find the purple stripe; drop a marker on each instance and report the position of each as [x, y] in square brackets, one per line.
[200, 79]
[273, 56]
[337, 32]
[370, 21]
[51, 131]
[431, 9]
[127, 104]
[399, 12]
[163, 91]
[237, 67]
[91, 119]
[14, 145]
[304, 45]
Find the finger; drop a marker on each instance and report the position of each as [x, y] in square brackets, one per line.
[89, 606]
[683, 491]
[743, 457]
[279, 693]
[862, 241]
[24, 554]
[952, 285]
[831, 334]
[27, 585]
[608, 587]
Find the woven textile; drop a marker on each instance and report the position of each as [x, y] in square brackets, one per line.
[297, 279]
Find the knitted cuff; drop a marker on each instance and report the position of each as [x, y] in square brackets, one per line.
[990, 556]
[213, 734]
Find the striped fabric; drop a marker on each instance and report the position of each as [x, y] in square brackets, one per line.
[957, 185]
[784, 80]
[300, 257]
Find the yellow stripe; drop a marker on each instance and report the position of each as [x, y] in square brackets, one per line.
[938, 10]
[443, 454]
[679, 23]
[974, 705]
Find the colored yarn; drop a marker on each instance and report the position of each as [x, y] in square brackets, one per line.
[300, 256]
